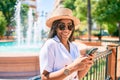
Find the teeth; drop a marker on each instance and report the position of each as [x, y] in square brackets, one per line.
[65, 33]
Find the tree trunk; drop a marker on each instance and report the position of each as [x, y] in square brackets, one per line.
[89, 20]
[8, 32]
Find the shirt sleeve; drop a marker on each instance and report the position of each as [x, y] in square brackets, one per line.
[46, 57]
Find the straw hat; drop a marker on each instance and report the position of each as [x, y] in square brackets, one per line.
[61, 13]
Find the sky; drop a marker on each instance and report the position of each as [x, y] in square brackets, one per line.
[45, 5]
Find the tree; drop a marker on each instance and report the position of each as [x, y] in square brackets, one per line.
[82, 10]
[2, 25]
[79, 11]
[107, 12]
[8, 9]
[69, 4]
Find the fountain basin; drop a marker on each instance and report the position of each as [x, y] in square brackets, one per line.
[19, 67]
[18, 62]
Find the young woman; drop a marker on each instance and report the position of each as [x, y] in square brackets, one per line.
[60, 59]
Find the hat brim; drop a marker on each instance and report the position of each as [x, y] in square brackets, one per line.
[51, 20]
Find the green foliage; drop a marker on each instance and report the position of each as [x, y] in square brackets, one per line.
[112, 28]
[69, 4]
[104, 12]
[8, 9]
[2, 24]
[107, 11]
[116, 33]
[81, 9]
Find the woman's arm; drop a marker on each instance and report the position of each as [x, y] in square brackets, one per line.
[58, 75]
[61, 74]
[82, 73]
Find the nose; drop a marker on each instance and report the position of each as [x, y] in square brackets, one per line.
[66, 27]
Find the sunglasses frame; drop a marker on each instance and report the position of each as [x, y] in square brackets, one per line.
[62, 26]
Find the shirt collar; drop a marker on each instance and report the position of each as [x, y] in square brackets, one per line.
[56, 39]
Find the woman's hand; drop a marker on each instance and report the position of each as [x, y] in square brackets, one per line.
[87, 64]
[90, 60]
[80, 62]
[84, 62]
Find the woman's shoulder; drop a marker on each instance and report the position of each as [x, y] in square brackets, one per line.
[50, 42]
[74, 44]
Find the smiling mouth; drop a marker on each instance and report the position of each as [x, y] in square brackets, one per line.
[65, 33]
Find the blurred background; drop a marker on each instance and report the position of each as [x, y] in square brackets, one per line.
[99, 18]
[23, 31]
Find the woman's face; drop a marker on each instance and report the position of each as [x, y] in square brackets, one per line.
[64, 29]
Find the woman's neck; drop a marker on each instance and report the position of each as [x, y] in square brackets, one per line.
[66, 44]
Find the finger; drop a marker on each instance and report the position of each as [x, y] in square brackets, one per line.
[89, 64]
[91, 57]
[84, 58]
[89, 61]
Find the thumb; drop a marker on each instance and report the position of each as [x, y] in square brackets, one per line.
[84, 58]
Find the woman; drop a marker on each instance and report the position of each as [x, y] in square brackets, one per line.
[59, 57]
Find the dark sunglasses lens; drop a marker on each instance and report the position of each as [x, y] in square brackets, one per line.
[70, 27]
[61, 27]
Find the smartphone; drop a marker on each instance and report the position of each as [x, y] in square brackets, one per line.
[91, 51]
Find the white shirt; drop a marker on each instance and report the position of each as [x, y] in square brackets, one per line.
[54, 56]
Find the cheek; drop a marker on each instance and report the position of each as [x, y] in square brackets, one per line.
[58, 32]
[70, 32]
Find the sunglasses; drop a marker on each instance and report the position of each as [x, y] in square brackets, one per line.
[62, 26]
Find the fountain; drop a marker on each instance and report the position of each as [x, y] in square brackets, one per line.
[18, 23]
[33, 30]
[28, 36]
[19, 58]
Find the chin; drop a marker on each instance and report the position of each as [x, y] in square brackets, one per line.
[65, 37]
